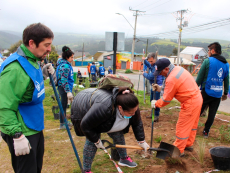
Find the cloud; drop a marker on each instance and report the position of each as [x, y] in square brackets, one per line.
[97, 17]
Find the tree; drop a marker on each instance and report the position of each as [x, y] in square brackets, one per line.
[225, 54]
[174, 51]
[53, 56]
[13, 48]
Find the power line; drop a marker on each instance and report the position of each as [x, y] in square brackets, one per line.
[140, 4]
[152, 4]
[157, 14]
[196, 28]
[160, 5]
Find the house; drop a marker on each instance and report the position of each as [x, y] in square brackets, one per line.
[194, 54]
[99, 56]
[187, 64]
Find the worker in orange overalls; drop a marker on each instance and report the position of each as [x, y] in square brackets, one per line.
[180, 84]
[88, 67]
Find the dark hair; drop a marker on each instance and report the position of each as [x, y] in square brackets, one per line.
[151, 55]
[66, 52]
[93, 62]
[36, 32]
[216, 46]
[100, 64]
[127, 101]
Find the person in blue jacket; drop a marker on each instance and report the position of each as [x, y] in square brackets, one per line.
[101, 71]
[110, 71]
[150, 63]
[93, 71]
[214, 79]
[64, 74]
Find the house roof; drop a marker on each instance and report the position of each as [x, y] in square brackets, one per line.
[184, 61]
[192, 50]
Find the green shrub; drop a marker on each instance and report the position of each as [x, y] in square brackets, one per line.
[128, 71]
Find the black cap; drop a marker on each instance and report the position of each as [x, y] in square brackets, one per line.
[160, 65]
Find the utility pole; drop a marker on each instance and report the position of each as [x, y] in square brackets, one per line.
[147, 47]
[134, 35]
[181, 12]
[82, 54]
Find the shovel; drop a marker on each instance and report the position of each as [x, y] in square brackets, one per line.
[163, 151]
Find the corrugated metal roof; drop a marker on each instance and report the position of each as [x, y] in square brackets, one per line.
[184, 61]
[192, 50]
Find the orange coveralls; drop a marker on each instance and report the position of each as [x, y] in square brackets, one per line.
[181, 85]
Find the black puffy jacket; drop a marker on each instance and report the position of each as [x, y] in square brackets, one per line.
[94, 112]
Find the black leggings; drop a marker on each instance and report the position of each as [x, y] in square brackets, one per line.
[64, 101]
[90, 149]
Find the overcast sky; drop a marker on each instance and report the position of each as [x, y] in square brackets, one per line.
[98, 16]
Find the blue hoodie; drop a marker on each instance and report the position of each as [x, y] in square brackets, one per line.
[150, 75]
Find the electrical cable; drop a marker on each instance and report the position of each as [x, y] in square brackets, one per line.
[215, 23]
[140, 4]
[152, 4]
[160, 5]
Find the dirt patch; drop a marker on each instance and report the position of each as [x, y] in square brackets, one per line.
[166, 128]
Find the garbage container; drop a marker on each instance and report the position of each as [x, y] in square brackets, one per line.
[75, 77]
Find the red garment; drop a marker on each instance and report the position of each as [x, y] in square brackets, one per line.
[181, 85]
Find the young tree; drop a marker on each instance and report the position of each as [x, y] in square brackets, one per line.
[53, 56]
[13, 48]
[174, 51]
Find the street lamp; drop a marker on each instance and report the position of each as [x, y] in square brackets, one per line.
[125, 19]
[134, 36]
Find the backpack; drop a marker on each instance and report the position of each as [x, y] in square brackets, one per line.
[113, 80]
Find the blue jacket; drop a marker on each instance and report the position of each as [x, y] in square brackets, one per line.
[101, 70]
[150, 75]
[218, 71]
[93, 69]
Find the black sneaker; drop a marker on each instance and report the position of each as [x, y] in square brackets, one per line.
[205, 134]
[127, 162]
[156, 118]
[189, 148]
[182, 155]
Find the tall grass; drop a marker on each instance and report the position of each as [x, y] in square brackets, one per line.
[201, 150]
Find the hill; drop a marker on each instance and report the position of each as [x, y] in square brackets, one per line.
[94, 43]
[7, 39]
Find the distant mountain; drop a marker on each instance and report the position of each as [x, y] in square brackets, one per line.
[7, 39]
[94, 43]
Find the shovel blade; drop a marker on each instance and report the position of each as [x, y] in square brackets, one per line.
[173, 150]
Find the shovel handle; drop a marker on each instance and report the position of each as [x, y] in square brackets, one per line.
[129, 147]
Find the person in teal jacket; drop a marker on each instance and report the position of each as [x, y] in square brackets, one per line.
[64, 74]
[22, 93]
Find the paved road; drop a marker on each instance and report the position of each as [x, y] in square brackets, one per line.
[224, 106]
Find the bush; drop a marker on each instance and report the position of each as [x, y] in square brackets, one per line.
[128, 71]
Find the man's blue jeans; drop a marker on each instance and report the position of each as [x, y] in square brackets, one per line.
[157, 97]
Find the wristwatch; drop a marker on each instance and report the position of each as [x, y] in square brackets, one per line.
[17, 135]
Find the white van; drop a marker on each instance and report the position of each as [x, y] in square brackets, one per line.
[97, 64]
